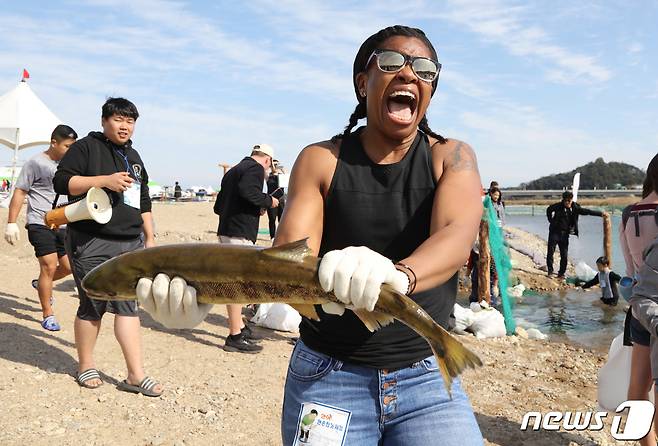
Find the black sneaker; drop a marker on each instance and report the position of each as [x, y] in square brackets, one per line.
[249, 334]
[238, 343]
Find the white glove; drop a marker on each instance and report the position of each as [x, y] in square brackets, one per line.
[355, 275]
[12, 233]
[171, 302]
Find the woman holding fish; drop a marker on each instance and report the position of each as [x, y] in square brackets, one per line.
[390, 203]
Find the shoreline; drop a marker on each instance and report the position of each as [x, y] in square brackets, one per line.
[215, 397]
[606, 201]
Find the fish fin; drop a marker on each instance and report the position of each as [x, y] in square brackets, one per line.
[451, 356]
[294, 251]
[373, 320]
[306, 310]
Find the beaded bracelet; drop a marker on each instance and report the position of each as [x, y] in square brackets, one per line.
[412, 284]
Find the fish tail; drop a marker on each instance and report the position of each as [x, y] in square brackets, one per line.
[452, 357]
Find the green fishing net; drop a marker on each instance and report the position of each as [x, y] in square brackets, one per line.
[501, 258]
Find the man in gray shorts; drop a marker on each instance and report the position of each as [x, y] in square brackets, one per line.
[108, 160]
[644, 302]
[36, 183]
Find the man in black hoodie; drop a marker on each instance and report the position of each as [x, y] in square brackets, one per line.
[563, 221]
[240, 203]
[107, 160]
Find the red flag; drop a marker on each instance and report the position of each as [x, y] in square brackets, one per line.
[26, 75]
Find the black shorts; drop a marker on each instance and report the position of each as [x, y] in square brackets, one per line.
[46, 241]
[639, 334]
[85, 253]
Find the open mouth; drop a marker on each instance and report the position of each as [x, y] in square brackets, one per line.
[402, 105]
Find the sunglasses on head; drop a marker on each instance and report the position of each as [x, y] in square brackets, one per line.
[390, 61]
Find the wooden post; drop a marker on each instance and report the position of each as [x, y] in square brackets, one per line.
[607, 237]
[225, 167]
[484, 261]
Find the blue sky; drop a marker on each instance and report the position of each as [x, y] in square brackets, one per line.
[535, 87]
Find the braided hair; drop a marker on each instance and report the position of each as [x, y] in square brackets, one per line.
[366, 49]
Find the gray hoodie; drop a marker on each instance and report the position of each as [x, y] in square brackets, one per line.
[644, 300]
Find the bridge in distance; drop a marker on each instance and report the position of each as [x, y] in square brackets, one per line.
[510, 194]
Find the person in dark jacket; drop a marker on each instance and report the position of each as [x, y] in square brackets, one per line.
[178, 191]
[563, 222]
[273, 189]
[107, 160]
[608, 281]
[239, 205]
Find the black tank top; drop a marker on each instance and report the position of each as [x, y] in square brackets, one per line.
[388, 209]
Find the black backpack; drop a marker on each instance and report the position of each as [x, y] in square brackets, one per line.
[630, 211]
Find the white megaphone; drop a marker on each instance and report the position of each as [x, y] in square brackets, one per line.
[94, 206]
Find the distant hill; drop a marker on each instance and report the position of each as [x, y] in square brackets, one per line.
[594, 175]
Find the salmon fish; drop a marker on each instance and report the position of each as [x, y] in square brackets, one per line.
[232, 274]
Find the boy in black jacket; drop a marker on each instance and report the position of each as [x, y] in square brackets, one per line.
[108, 160]
[608, 281]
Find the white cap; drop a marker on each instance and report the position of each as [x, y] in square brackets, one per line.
[265, 148]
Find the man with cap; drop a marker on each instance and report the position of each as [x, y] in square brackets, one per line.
[239, 205]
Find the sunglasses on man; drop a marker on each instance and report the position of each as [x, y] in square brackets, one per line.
[390, 61]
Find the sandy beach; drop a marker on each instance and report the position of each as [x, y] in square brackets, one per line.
[220, 398]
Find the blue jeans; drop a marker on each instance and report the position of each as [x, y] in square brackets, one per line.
[404, 407]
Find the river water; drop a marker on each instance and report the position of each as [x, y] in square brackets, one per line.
[574, 316]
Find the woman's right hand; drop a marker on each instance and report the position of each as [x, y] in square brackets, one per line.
[118, 182]
[171, 302]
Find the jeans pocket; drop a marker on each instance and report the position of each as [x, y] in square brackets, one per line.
[309, 365]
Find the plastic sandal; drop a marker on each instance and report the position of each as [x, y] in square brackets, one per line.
[145, 387]
[88, 375]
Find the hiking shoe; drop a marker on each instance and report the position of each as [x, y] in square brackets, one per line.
[50, 323]
[238, 343]
[249, 334]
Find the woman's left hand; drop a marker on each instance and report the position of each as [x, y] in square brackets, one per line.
[355, 274]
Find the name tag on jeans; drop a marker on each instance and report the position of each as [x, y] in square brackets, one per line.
[319, 424]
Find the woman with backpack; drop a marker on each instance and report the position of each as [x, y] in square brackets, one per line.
[638, 229]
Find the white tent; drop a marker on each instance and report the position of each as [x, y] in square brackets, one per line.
[25, 121]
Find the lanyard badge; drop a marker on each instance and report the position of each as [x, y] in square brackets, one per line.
[132, 195]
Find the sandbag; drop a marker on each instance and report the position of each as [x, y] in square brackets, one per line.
[516, 291]
[533, 333]
[280, 317]
[584, 272]
[463, 319]
[488, 323]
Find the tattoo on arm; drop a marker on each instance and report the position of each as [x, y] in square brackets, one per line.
[461, 158]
